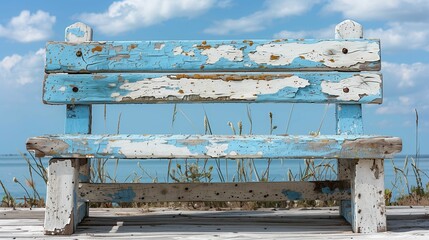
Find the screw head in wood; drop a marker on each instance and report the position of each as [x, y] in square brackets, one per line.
[75, 89]
[346, 90]
[345, 50]
[79, 53]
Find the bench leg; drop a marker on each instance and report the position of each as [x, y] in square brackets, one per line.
[84, 177]
[368, 211]
[344, 174]
[61, 215]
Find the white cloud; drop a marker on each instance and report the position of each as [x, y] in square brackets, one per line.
[328, 32]
[27, 27]
[407, 21]
[18, 70]
[273, 9]
[404, 35]
[126, 15]
[396, 36]
[396, 10]
[405, 88]
[225, 3]
[406, 75]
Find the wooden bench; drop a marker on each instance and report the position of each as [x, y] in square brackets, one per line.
[81, 72]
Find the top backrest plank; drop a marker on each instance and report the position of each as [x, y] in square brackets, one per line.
[238, 55]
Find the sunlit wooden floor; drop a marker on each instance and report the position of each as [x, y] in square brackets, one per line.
[321, 223]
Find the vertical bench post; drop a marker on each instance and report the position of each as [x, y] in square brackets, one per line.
[366, 210]
[63, 211]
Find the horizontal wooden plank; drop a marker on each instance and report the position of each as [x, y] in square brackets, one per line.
[308, 87]
[214, 146]
[186, 192]
[216, 55]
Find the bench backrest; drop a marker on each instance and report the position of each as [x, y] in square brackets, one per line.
[283, 70]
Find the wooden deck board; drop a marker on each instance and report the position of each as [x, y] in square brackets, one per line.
[321, 223]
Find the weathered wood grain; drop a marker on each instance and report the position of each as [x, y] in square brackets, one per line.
[186, 192]
[307, 87]
[214, 146]
[368, 203]
[238, 224]
[61, 202]
[216, 55]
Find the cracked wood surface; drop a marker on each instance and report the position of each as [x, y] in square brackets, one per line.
[304, 87]
[214, 146]
[213, 55]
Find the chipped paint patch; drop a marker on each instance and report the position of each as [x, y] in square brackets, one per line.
[157, 147]
[328, 52]
[179, 51]
[159, 46]
[353, 88]
[217, 150]
[292, 195]
[122, 195]
[78, 32]
[247, 89]
[224, 51]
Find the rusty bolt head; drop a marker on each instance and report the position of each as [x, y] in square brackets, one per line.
[346, 90]
[75, 89]
[79, 53]
[345, 50]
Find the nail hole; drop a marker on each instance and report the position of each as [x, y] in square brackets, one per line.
[75, 89]
[79, 53]
[345, 50]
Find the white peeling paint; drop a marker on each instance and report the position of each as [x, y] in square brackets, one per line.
[178, 50]
[369, 213]
[247, 89]
[328, 53]
[217, 150]
[156, 147]
[358, 85]
[62, 89]
[60, 198]
[224, 51]
[115, 95]
[85, 29]
[348, 29]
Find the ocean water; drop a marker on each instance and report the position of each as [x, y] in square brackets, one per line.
[14, 166]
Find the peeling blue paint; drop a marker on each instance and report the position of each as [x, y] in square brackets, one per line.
[124, 195]
[213, 146]
[328, 190]
[292, 195]
[75, 31]
[145, 56]
[97, 88]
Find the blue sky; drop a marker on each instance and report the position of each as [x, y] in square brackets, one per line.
[402, 26]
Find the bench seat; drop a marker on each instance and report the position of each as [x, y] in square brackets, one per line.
[214, 146]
